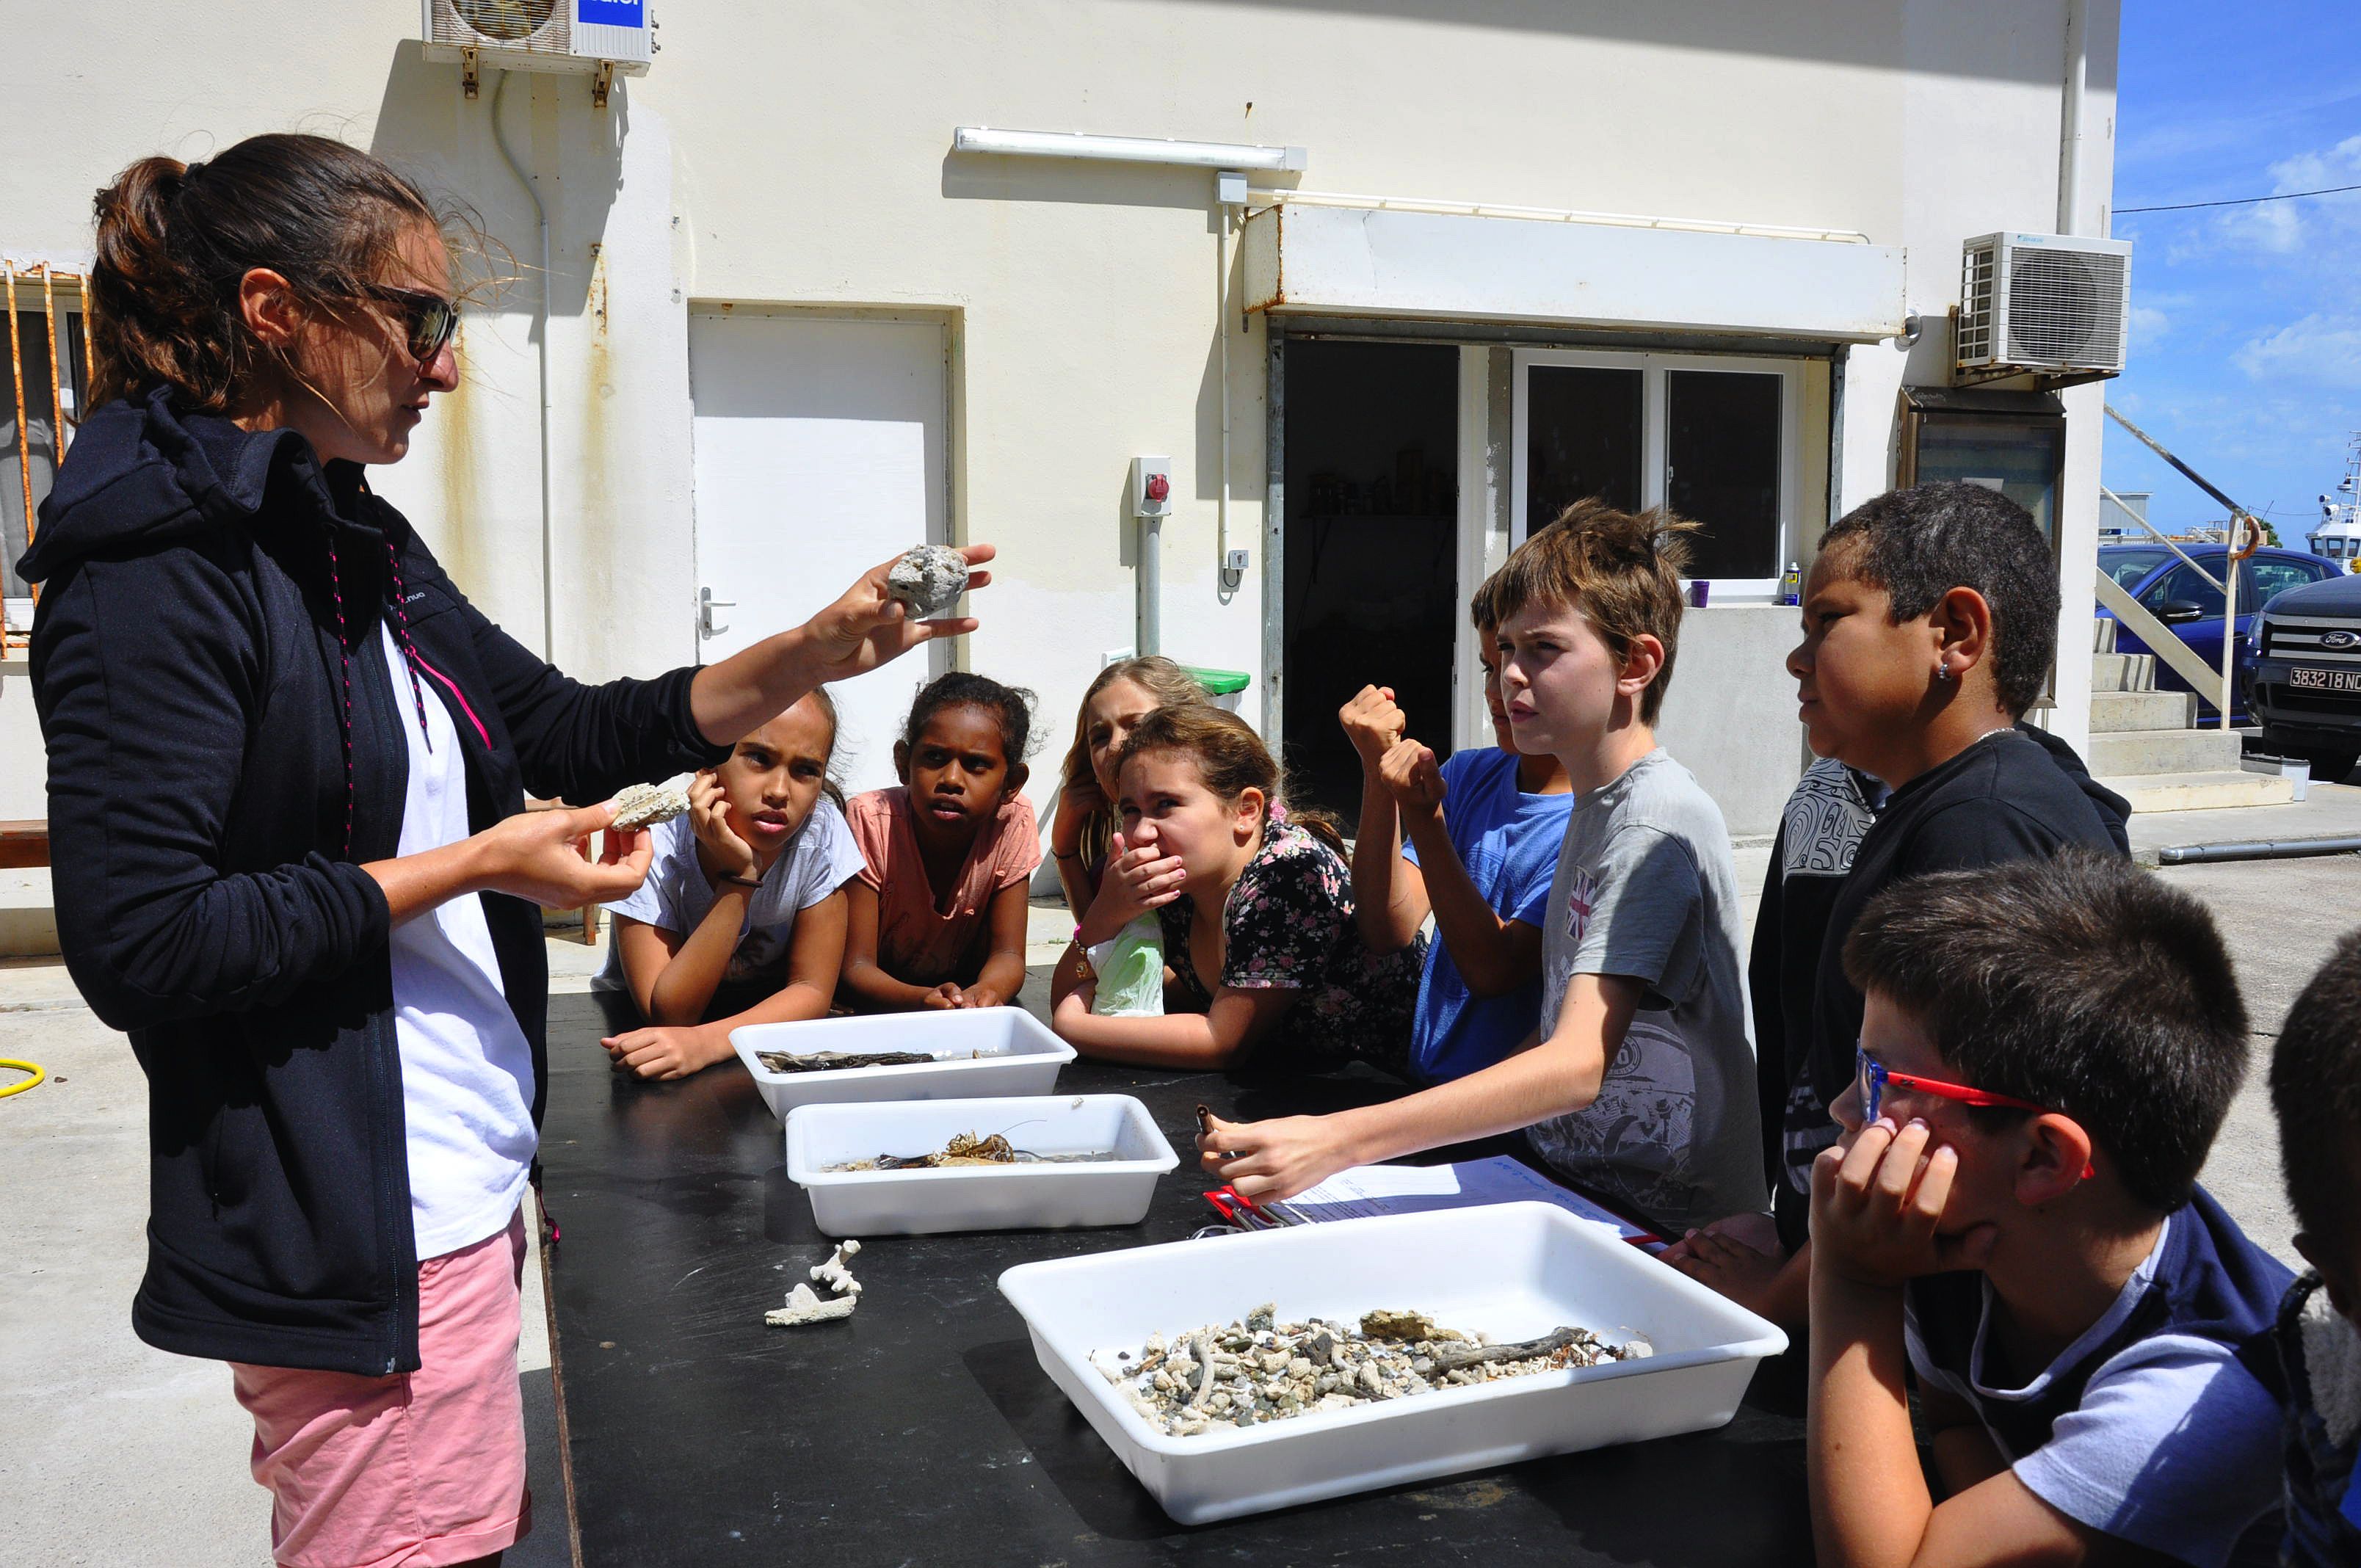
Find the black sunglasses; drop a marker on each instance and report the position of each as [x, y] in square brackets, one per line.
[429, 320]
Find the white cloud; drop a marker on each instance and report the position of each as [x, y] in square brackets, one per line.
[2148, 327]
[2320, 350]
[2287, 227]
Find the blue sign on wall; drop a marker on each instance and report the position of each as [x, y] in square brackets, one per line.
[613, 12]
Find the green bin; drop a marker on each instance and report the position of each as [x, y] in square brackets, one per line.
[1223, 684]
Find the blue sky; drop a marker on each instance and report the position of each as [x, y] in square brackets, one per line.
[2246, 343]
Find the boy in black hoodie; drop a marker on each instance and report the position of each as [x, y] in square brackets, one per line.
[1929, 626]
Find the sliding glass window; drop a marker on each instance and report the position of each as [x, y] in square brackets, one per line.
[1712, 437]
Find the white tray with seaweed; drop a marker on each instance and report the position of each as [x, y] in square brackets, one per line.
[935, 1166]
[968, 1053]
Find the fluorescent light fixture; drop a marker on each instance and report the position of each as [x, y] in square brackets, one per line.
[1126, 150]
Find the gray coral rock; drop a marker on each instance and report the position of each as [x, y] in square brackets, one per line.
[645, 805]
[929, 578]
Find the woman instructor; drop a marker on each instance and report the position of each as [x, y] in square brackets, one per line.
[286, 770]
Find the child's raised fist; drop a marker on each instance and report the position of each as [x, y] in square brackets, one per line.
[1410, 772]
[1372, 722]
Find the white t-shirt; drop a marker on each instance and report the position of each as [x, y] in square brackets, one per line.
[467, 1070]
[676, 895]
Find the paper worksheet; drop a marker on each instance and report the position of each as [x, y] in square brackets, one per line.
[1367, 1190]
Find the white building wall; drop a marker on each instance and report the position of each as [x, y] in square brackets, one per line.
[797, 154]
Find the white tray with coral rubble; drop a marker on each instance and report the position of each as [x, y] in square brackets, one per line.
[1029, 1194]
[977, 1052]
[1513, 1271]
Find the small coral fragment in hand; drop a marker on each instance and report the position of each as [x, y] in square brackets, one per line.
[929, 578]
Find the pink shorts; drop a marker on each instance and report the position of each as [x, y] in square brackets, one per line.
[417, 1470]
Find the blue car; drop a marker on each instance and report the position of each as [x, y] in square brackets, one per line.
[2166, 587]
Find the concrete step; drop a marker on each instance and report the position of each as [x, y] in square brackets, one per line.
[2211, 790]
[2163, 751]
[2122, 672]
[2123, 712]
[2102, 634]
[29, 926]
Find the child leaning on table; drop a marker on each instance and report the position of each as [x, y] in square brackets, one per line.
[1082, 830]
[741, 916]
[936, 918]
[2012, 1214]
[1473, 842]
[1643, 1088]
[2313, 1359]
[1262, 959]
[1929, 624]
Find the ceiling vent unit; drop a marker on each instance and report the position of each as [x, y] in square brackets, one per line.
[593, 38]
[2045, 304]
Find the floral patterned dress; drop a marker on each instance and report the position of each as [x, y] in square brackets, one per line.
[1288, 924]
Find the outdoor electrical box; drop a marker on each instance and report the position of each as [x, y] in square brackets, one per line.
[598, 38]
[2046, 303]
[1151, 487]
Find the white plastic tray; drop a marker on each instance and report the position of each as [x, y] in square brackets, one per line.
[1020, 1057]
[983, 1197]
[1512, 1270]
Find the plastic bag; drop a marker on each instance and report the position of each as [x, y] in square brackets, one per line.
[1130, 966]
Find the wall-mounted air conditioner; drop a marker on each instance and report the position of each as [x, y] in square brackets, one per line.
[596, 38]
[2051, 304]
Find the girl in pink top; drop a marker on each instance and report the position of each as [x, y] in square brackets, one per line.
[937, 914]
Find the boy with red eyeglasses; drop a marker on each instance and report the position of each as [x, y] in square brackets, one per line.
[2047, 1048]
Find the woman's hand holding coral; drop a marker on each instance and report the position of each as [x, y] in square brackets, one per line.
[868, 627]
[535, 855]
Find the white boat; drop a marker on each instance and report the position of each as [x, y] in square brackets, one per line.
[2338, 537]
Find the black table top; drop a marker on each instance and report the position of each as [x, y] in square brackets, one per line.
[922, 1429]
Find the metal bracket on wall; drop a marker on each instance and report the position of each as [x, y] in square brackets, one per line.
[467, 82]
[600, 80]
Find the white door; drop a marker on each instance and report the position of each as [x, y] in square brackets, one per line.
[821, 450]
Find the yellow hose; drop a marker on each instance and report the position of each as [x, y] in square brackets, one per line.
[32, 1067]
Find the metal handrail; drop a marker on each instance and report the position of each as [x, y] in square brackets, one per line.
[2162, 538]
[2241, 522]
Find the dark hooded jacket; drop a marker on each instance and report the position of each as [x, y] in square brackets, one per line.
[208, 824]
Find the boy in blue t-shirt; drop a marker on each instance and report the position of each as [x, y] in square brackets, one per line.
[1483, 867]
[2047, 1048]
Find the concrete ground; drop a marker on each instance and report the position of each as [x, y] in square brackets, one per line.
[112, 1453]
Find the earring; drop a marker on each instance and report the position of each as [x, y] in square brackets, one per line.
[1942, 672]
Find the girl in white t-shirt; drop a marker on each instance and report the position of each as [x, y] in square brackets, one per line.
[744, 901]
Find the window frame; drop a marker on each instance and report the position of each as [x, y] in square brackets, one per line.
[73, 390]
[1655, 418]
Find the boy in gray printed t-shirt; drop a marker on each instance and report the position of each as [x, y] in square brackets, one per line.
[1645, 889]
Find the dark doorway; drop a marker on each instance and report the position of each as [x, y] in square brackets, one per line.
[1371, 519]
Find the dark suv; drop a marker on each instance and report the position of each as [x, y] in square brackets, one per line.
[2304, 684]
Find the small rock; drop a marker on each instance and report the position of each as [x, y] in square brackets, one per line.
[929, 578]
[1404, 1327]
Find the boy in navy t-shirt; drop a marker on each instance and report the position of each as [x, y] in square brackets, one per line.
[2047, 1048]
[1483, 831]
[2313, 1358]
